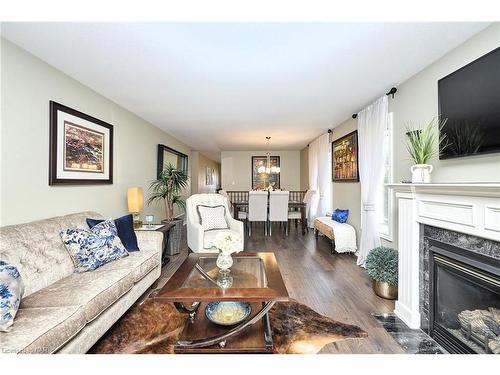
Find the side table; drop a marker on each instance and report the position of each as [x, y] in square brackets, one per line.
[165, 229]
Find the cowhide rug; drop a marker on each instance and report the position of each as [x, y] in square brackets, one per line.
[154, 327]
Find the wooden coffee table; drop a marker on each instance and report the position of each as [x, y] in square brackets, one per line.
[254, 278]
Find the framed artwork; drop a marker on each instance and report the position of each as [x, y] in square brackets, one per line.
[166, 156]
[208, 176]
[81, 148]
[345, 158]
[263, 180]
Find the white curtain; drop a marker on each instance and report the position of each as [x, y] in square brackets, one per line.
[319, 177]
[372, 122]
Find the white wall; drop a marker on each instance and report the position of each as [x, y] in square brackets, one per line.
[199, 165]
[27, 86]
[417, 101]
[236, 169]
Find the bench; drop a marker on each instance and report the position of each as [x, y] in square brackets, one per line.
[326, 226]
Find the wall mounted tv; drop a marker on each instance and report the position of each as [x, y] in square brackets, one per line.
[470, 99]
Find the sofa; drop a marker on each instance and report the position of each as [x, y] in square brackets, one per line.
[200, 241]
[66, 312]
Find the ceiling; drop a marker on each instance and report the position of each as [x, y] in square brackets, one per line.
[225, 86]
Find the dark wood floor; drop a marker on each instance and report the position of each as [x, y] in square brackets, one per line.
[333, 285]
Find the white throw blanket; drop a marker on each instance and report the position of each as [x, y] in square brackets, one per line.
[345, 235]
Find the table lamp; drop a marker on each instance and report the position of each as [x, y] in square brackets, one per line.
[135, 202]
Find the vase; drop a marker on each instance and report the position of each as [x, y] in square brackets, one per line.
[224, 262]
[421, 173]
[385, 290]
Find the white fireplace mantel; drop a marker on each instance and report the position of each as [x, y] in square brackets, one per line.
[471, 208]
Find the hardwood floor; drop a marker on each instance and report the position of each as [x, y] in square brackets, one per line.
[332, 285]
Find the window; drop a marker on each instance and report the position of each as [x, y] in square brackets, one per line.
[385, 199]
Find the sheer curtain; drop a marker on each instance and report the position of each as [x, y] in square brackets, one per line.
[372, 122]
[320, 177]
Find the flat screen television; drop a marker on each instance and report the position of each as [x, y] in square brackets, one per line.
[470, 101]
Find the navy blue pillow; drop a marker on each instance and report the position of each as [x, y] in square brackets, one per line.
[340, 215]
[125, 226]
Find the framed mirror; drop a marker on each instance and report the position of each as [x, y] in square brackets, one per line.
[167, 155]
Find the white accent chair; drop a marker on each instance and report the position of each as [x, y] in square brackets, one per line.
[296, 215]
[278, 208]
[229, 204]
[200, 241]
[257, 209]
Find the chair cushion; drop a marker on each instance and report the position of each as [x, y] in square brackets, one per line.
[294, 215]
[140, 263]
[94, 291]
[11, 291]
[209, 237]
[90, 249]
[125, 227]
[43, 330]
[212, 217]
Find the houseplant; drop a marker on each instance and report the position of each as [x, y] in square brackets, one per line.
[382, 267]
[167, 189]
[422, 144]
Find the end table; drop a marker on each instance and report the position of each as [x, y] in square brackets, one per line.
[165, 229]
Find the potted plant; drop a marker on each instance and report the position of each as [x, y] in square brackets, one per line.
[382, 267]
[168, 189]
[422, 145]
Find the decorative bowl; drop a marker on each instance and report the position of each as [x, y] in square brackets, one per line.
[227, 313]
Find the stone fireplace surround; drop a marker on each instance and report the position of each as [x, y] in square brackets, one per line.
[464, 215]
[465, 241]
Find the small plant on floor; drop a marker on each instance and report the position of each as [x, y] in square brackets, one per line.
[382, 267]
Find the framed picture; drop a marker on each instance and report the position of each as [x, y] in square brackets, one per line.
[263, 180]
[208, 176]
[345, 158]
[81, 148]
[166, 156]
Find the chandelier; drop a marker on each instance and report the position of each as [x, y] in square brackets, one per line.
[268, 169]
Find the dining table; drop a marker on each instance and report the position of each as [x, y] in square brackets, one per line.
[242, 205]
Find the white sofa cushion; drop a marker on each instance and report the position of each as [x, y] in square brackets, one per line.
[94, 291]
[43, 330]
[140, 263]
[37, 250]
[212, 217]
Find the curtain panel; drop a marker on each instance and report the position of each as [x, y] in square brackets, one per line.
[320, 177]
[372, 122]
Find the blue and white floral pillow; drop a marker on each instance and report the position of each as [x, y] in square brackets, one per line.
[90, 249]
[11, 291]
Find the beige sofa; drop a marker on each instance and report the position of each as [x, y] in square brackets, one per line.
[66, 312]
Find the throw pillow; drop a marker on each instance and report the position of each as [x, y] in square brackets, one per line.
[90, 249]
[212, 217]
[125, 226]
[11, 291]
[340, 215]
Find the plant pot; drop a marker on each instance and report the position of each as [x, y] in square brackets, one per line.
[174, 236]
[385, 290]
[421, 173]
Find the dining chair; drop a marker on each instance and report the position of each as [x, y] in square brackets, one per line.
[296, 215]
[257, 209]
[278, 208]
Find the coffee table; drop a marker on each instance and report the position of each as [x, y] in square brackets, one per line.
[254, 278]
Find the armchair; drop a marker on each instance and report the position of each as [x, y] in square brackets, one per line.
[200, 241]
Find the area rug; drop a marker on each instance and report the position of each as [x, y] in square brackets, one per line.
[154, 327]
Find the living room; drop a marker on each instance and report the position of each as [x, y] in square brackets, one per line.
[251, 188]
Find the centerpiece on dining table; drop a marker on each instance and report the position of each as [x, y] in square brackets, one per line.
[227, 244]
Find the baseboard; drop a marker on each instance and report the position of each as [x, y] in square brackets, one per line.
[411, 319]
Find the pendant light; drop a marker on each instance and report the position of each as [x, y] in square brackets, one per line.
[268, 168]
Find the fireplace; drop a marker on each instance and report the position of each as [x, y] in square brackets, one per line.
[464, 299]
